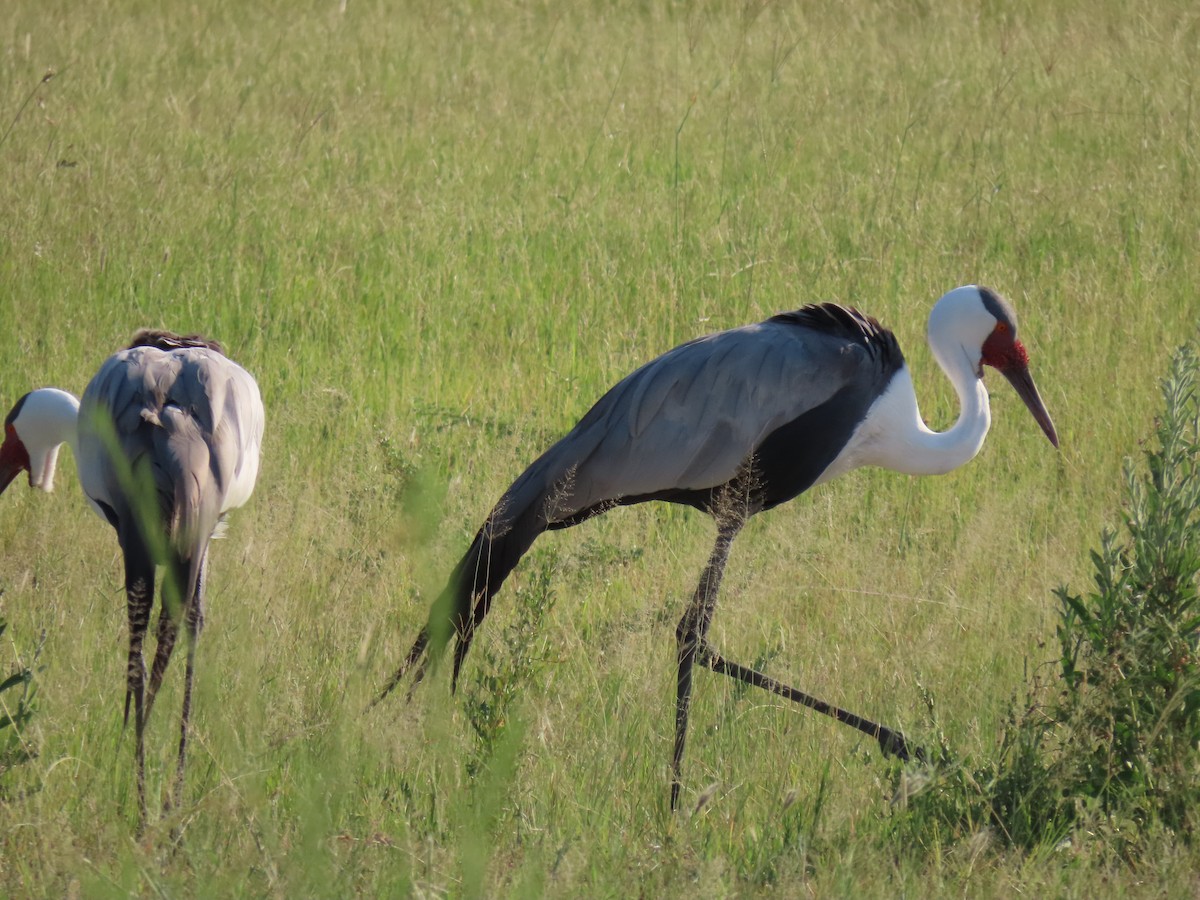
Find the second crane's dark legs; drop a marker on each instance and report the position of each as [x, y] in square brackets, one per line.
[168, 629]
[194, 620]
[692, 640]
[191, 610]
[139, 592]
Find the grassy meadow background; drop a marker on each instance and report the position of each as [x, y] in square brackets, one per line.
[436, 232]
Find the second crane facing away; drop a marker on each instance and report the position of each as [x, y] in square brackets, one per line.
[732, 424]
[166, 440]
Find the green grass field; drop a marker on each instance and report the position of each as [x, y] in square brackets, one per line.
[436, 233]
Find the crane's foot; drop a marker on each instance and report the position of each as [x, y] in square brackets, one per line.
[892, 743]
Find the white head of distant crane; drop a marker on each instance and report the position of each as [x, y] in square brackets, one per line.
[166, 440]
[732, 424]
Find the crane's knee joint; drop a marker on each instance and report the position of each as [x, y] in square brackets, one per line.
[692, 644]
[687, 632]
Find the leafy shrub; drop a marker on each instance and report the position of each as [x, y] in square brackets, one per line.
[1112, 740]
[1131, 679]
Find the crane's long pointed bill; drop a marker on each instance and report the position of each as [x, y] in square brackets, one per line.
[1018, 376]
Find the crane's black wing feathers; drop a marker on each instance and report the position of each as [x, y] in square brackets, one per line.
[169, 340]
[848, 323]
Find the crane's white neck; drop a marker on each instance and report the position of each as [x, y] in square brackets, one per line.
[893, 434]
[958, 327]
[919, 451]
[48, 418]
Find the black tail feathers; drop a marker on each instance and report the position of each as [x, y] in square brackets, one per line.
[467, 598]
[414, 655]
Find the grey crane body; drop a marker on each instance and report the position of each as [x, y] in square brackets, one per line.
[185, 418]
[732, 424]
[167, 437]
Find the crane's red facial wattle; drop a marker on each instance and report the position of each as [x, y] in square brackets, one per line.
[14, 458]
[1003, 352]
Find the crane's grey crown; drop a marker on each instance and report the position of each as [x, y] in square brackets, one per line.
[1000, 308]
[15, 411]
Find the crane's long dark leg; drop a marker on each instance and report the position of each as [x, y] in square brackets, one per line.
[139, 593]
[173, 605]
[167, 635]
[890, 740]
[194, 620]
[690, 638]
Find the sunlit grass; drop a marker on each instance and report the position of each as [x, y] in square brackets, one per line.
[435, 234]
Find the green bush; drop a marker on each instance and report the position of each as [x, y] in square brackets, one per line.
[1131, 697]
[1110, 741]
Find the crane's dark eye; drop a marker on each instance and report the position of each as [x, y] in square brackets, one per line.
[1001, 328]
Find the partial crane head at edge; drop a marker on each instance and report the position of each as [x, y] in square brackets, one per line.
[38, 424]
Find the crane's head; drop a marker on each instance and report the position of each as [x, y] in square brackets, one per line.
[36, 427]
[984, 325]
